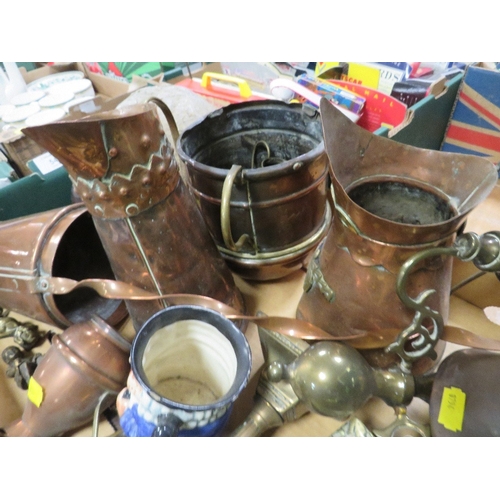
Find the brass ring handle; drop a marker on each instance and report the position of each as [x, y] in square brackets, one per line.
[225, 208]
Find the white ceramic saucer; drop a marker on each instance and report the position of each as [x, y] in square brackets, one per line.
[45, 116]
[56, 99]
[20, 113]
[27, 97]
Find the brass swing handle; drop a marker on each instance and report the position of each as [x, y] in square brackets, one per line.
[225, 209]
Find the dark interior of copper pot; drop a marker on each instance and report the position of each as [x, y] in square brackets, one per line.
[403, 203]
[240, 136]
[80, 255]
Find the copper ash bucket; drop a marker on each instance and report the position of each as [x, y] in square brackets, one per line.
[259, 173]
[391, 201]
[57, 243]
[124, 170]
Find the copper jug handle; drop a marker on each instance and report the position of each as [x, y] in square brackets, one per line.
[169, 117]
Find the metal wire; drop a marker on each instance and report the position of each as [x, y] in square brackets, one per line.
[97, 411]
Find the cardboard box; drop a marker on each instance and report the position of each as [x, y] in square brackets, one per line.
[426, 121]
[474, 125]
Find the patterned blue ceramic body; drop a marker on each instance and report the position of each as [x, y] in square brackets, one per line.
[176, 346]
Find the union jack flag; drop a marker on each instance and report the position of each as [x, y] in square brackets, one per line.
[474, 127]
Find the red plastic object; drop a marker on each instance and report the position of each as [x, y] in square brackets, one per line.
[380, 109]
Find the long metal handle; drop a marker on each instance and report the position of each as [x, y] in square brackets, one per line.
[111, 289]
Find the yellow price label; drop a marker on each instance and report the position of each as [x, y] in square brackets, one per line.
[35, 392]
[451, 411]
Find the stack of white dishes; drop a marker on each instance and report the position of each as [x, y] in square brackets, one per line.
[46, 100]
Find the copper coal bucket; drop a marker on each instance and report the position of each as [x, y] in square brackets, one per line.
[390, 202]
[259, 173]
[123, 168]
[59, 243]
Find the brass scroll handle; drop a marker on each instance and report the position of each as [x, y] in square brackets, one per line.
[225, 208]
[483, 251]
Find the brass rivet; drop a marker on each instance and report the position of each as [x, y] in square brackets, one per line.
[113, 152]
[145, 141]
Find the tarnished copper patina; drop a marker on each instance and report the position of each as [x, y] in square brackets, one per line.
[60, 243]
[391, 201]
[259, 172]
[85, 367]
[124, 170]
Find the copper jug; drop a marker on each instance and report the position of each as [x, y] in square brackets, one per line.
[259, 173]
[123, 168]
[390, 201]
[85, 368]
[61, 243]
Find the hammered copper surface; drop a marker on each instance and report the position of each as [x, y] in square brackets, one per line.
[124, 170]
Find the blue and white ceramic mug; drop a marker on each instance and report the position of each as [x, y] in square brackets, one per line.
[189, 365]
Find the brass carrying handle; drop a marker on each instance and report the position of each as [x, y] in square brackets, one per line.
[225, 209]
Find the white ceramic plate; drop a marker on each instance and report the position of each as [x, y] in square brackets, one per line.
[56, 99]
[27, 97]
[80, 88]
[47, 81]
[20, 113]
[45, 116]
